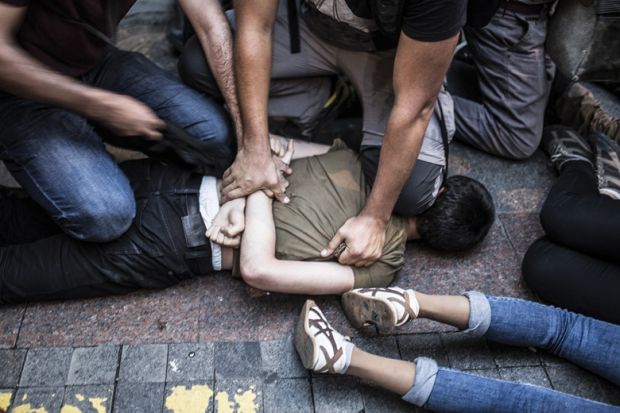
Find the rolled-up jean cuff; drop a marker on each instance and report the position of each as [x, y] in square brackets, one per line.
[479, 314]
[425, 374]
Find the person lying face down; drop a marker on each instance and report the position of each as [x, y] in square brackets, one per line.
[178, 215]
[325, 190]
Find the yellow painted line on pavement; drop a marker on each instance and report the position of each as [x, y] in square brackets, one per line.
[27, 408]
[196, 399]
[5, 400]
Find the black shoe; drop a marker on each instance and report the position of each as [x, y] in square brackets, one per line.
[564, 144]
[607, 164]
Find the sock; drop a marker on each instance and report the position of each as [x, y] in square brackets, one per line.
[348, 352]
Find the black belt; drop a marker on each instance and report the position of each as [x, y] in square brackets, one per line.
[198, 255]
[522, 8]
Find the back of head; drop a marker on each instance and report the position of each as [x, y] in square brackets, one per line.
[460, 217]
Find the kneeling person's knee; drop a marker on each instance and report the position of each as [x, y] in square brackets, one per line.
[104, 219]
[194, 70]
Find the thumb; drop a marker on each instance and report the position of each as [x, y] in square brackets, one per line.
[237, 224]
[333, 244]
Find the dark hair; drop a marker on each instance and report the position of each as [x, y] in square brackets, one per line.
[460, 217]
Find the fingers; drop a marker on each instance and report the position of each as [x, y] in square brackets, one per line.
[288, 155]
[280, 195]
[233, 194]
[333, 244]
[228, 178]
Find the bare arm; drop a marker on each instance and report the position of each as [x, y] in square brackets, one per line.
[419, 70]
[213, 32]
[253, 168]
[261, 269]
[23, 76]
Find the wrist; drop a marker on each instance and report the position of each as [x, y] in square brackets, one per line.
[93, 103]
[378, 215]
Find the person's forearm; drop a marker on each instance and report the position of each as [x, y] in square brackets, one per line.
[253, 52]
[23, 76]
[261, 269]
[401, 146]
[215, 37]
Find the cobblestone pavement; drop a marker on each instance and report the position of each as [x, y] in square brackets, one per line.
[216, 345]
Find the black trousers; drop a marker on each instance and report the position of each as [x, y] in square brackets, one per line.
[577, 264]
[164, 245]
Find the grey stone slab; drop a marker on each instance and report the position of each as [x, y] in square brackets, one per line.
[238, 394]
[280, 360]
[93, 365]
[488, 373]
[467, 353]
[573, 380]
[423, 345]
[45, 399]
[511, 356]
[531, 375]
[46, 367]
[190, 397]
[145, 363]
[89, 398]
[190, 362]
[385, 346]
[11, 362]
[288, 395]
[337, 394]
[6, 397]
[238, 359]
[139, 397]
[612, 392]
[381, 401]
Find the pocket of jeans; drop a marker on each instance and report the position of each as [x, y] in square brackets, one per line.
[525, 31]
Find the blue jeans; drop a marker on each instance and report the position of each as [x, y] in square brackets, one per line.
[589, 343]
[59, 157]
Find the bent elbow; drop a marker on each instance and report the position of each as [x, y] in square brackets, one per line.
[253, 272]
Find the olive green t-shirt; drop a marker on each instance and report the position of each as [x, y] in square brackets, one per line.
[324, 192]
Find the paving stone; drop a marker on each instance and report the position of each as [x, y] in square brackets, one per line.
[93, 365]
[6, 397]
[238, 394]
[190, 362]
[511, 356]
[188, 397]
[385, 346]
[531, 375]
[612, 392]
[145, 363]
[90, 398]
[10, 323]
[238, 359]
[163, 316]
[423, 345]
[38, 399]
[522, 230]
[11, 362]
[139, 397]
[46, 367]
[337, 395]
[288, 395]
[488, 373]
[382, 401]
[281, 360]
[467, 353]
[573, 380]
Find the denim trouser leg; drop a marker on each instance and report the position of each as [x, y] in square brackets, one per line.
[590, 343]
[57, 156]
[132, 74]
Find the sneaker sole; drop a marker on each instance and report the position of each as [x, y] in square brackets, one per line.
[362, 310]
[305, 343]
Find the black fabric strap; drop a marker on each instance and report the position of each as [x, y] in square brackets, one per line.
[293, 26]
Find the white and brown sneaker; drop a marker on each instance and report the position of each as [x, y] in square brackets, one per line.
[384, 307]
[320, 347]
